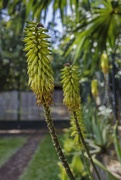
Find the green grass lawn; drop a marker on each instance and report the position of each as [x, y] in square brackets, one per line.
[43, 165]
[8, 146]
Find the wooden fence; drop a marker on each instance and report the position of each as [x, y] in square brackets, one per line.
[22, 106]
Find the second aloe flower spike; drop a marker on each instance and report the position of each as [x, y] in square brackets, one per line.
[70, 82]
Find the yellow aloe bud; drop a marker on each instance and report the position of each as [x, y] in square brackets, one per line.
[104, 63]
[70, 82]
[94, 87]
[40, 72]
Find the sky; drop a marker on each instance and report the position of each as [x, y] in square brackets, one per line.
[57, 17]
[58, 27]
[49, 17]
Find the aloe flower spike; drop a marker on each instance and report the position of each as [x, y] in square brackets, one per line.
[41, 79]
[70, 82]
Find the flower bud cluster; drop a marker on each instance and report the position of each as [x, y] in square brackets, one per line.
[70, 82]
[40, 72]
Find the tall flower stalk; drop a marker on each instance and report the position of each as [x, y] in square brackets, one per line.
[41, 79]
[70, 82]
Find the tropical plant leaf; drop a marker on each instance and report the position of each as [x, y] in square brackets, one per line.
[117, 143]
[100, 165]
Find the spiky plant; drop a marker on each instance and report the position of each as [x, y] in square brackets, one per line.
[72, 100]
[40, 72]
[41, 79]
[71, 91]
[71, 87]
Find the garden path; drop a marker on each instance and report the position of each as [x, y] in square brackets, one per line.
[15, 166]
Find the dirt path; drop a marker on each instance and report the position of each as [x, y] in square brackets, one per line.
[15, 166]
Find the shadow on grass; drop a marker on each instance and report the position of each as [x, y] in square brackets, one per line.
[43, 165]
[8, 147]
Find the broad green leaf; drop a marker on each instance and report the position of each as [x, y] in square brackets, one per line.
[109, 175]
[117, 143]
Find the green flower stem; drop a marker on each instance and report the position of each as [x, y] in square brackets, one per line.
[55, 141]
[85, 145]
[86, 166]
